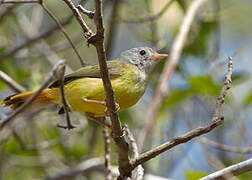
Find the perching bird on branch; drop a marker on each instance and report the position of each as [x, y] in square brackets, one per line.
[84, 88]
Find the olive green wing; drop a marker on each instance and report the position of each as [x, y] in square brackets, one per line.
[91, 72]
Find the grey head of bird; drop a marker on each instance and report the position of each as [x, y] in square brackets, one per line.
[145, 58]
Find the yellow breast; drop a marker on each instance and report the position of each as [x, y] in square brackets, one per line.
[128, 89]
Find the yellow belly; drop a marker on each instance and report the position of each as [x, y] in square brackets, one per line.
[127, 92]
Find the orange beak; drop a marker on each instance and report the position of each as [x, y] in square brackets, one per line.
[157, 57]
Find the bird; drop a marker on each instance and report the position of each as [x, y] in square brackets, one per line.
[84, 89]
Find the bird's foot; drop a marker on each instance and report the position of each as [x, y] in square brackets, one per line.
[106, 111]
[123, 133]
[68, 126]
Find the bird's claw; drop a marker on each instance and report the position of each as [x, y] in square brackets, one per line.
[106, 111]
[123, 133]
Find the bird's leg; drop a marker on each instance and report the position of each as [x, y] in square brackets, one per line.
[106, 112]
[94, 101]
[99, 120]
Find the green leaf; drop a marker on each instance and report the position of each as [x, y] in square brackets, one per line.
[49, 132]
[177, 96]
[198, 41]
[23, 173]
[2, 49]
[198, 85]
[13, 147]
[194, 175]
[77, 148]
[245, 176]
[203, 85]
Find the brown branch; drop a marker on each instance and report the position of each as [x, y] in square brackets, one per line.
[11, 83]
[18, 1]
[64, 33]
[169, 68]
[225, 88]
[179, 140]
[48, 80]
[235, 169]
[98, 41]
[216, 121]
[88, 13]
[87, 32]
[224, 147]
[108, 174]
[30, 41]
[149, 18]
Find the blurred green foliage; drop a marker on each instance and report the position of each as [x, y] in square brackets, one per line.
[12, 69]
[198, 85]
[248, 99]
[198, 43]
[86, 141]
[194, 175]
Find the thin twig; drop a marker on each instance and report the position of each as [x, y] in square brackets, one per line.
[170, 65]
[11, 83]
[235, 169]
[86, 30]
[138, 172]
[60, 75]
[46, 33]
[149, 18]
[216, 121]
[88, 13]
[108, 174]
[48, 80]
[64, 32]
[224, 147]
[179, 140]
[18, 1]
[225, 88]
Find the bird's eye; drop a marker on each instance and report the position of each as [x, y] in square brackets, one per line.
[142, 52]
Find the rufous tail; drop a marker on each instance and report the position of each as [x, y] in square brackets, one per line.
[16, 100]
